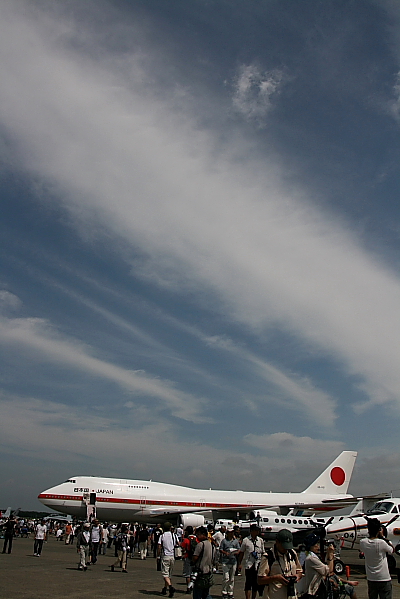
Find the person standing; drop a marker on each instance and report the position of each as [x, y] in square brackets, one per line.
[95, 540]
[40, 538]
[68, 532]
[166, 549]
[376, 548]
[251, 551]
[121, 544]
[216, 541]
[280, 568]
[104, 540]
[143, 539]
[83, 545]
[9, 529]
[188, 545]
[155, 535]
[203, 564]
[228, 550]
[316, 572]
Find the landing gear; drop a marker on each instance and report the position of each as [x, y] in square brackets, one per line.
[338, 567]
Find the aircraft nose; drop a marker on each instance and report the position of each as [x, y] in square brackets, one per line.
[48, 496]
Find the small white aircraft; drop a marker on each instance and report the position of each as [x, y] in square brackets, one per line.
[6, 514]
[349, 530]
[142, 501]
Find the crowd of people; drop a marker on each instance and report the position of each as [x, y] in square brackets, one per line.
[275, 573]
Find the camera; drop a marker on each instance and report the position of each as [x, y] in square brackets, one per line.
[194, 575]
[254, 554]
[290, 585]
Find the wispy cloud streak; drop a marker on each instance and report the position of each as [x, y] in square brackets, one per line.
[35, 335]
[263, 252]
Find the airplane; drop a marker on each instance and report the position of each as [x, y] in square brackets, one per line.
[117, 500]
[5, 515]
[58, 518]
[350, 530]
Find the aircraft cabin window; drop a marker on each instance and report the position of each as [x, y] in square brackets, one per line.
[277, 520]
[283, 520]
[294, 521]
[289, 521]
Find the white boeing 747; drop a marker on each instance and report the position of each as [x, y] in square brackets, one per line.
[143, 501]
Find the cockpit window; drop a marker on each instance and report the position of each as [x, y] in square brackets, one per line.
[382, 507]
[70, 480]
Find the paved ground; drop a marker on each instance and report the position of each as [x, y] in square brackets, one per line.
[54, 575]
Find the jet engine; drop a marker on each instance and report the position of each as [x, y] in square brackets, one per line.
[263, 513]
[192, 520]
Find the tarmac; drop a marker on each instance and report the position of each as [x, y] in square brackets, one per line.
[54, 575]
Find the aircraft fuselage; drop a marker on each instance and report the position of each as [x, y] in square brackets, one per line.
[143, 501]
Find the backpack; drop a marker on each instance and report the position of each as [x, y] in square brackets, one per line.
[193, 545]
[271, 557]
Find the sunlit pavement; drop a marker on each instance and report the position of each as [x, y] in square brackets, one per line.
[54, 575]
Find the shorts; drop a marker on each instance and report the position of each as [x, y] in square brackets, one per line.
[349, 589]
[167, 565]
[251, 579]
[187, 567]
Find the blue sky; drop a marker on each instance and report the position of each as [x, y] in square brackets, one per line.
[200, 237]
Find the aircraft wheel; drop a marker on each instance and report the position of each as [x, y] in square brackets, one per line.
[338, 567]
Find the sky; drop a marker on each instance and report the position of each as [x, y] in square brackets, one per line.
[200, 241]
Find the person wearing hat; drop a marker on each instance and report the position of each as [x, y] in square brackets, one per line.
[251, 551]
[228, 549]
[82, 545]
[315, 570]
[280, 567]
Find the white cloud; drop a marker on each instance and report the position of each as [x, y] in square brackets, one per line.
[254, 91]
[295, 392]
[287, 445]
[76, 438]
[38, 338]
[121, 157]
[394, 105]
[9, 301]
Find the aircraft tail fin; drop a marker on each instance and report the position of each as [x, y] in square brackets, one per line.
[7, 513]
[336, 478]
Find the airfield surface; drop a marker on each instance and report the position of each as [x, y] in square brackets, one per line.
[54, 575]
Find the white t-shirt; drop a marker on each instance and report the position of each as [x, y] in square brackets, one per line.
[250, 546]
[41, 531]
[218, 536]
[168, 541]
[96, 534]
[376, 564]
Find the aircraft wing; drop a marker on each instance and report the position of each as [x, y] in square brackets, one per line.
[350, 500]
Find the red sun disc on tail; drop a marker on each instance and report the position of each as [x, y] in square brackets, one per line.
[338, 476]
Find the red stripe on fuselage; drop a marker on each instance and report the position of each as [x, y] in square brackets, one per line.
[184, 504]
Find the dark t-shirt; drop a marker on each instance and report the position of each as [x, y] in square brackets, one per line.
[9, 527]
